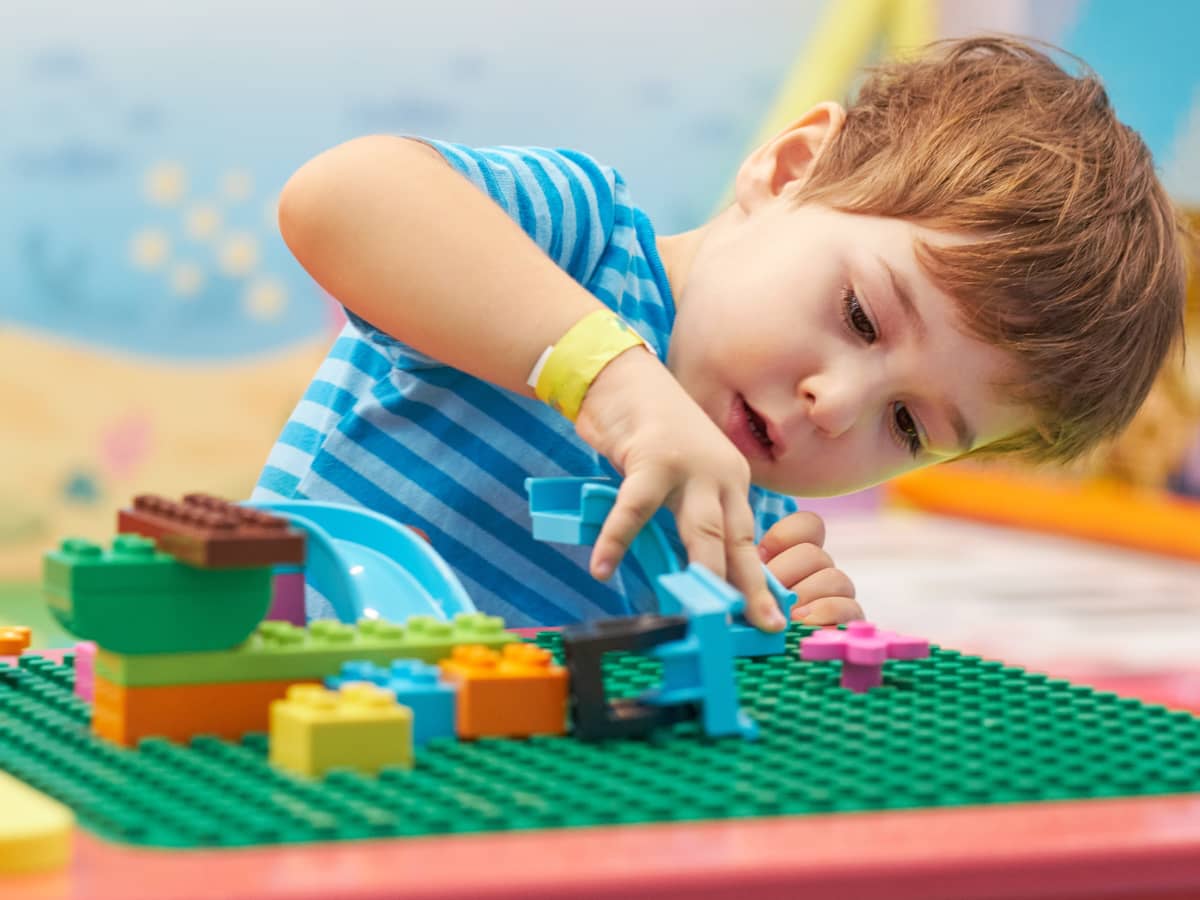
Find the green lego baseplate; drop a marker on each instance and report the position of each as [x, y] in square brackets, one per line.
[951, 730]
[280, 650]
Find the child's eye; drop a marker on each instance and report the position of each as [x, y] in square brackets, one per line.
[905, 429]
[856, 317]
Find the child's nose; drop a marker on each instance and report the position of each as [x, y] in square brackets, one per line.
[834, 407]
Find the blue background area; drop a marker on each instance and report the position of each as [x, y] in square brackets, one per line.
[669, 92]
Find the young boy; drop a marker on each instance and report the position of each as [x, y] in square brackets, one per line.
[974, 258]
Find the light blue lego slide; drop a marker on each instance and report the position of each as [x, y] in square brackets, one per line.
[369, 566]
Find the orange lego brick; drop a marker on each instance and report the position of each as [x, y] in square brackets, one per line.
[211, 533]
[125, 715]
[14, 639]
[516, 693]
[1108, 513]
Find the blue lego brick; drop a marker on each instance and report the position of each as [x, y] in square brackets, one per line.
[416, 685]
[700, 668]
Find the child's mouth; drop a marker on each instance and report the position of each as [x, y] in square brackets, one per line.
[749, 431]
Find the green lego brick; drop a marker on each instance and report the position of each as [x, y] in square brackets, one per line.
[951, 730]
[133, 599]
[279, 650]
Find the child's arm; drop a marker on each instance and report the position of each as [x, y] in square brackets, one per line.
[387, 227]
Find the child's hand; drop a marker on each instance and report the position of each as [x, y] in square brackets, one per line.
[671, 453]
[792, 550]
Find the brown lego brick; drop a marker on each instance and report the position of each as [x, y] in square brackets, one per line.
[211, 533]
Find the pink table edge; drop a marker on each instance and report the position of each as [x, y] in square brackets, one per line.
[1144, 847]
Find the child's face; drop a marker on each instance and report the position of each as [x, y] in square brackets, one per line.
[795, 320]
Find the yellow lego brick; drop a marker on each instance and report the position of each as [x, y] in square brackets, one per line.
[35, 830]
[516, 693]
[360, 727]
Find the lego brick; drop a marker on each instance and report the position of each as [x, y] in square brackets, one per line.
[518, 692]
[85, 670]
[593, 715]
[863, 650]
[14, 639]
[360, 727]
[35, 830]
[414, 684]
[135, 599]
[287, 599]
[700, 668]
[947, 731]
[281, 650]
[211, 533]
[126, 715]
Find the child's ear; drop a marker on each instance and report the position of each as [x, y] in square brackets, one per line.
[789, 157]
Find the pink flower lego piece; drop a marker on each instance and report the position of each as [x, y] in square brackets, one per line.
[862, 649]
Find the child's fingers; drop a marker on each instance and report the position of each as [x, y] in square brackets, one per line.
[799, 528]
[638, 499]
[701, 525]
[746, 570]
[828, 611]
[797, 563]
[822, 584]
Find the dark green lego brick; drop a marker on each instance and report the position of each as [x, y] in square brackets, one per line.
[951, 730]
[279, 650]
[133, 599]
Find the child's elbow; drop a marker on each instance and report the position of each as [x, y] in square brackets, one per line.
[322, 197]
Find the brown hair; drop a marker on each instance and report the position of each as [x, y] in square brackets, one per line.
[1075, 263]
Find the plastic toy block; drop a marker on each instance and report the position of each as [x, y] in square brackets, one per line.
[125, 715]
[572, 511]
[14, 639]
[593, 715]
[700, 668]
[135, 599]
[360, 727]
[949, 731]
[516, 693]
[414, 684]
[85, 670]
[211, 533]
[287, 598]
[863, 650]
[35, 830]
[280, 650]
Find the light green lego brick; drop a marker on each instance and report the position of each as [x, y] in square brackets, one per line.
[279, 650]
[133, 599]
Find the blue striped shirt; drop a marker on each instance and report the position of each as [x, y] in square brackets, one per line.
[384, 426]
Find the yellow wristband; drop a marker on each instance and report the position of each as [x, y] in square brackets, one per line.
[580, 355]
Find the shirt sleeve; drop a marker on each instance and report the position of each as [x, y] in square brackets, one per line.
[564, 200]
[769, 507]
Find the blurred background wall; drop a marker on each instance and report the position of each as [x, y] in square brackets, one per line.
[154, 331]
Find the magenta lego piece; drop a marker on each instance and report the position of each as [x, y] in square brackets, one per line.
[863, 650]
[85, 669]
[287, 601]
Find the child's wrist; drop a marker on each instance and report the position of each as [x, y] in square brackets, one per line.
[565, 372]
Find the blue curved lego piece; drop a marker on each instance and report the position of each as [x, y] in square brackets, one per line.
[369, 566]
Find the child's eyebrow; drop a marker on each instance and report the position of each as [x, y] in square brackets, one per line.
[900, 288]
